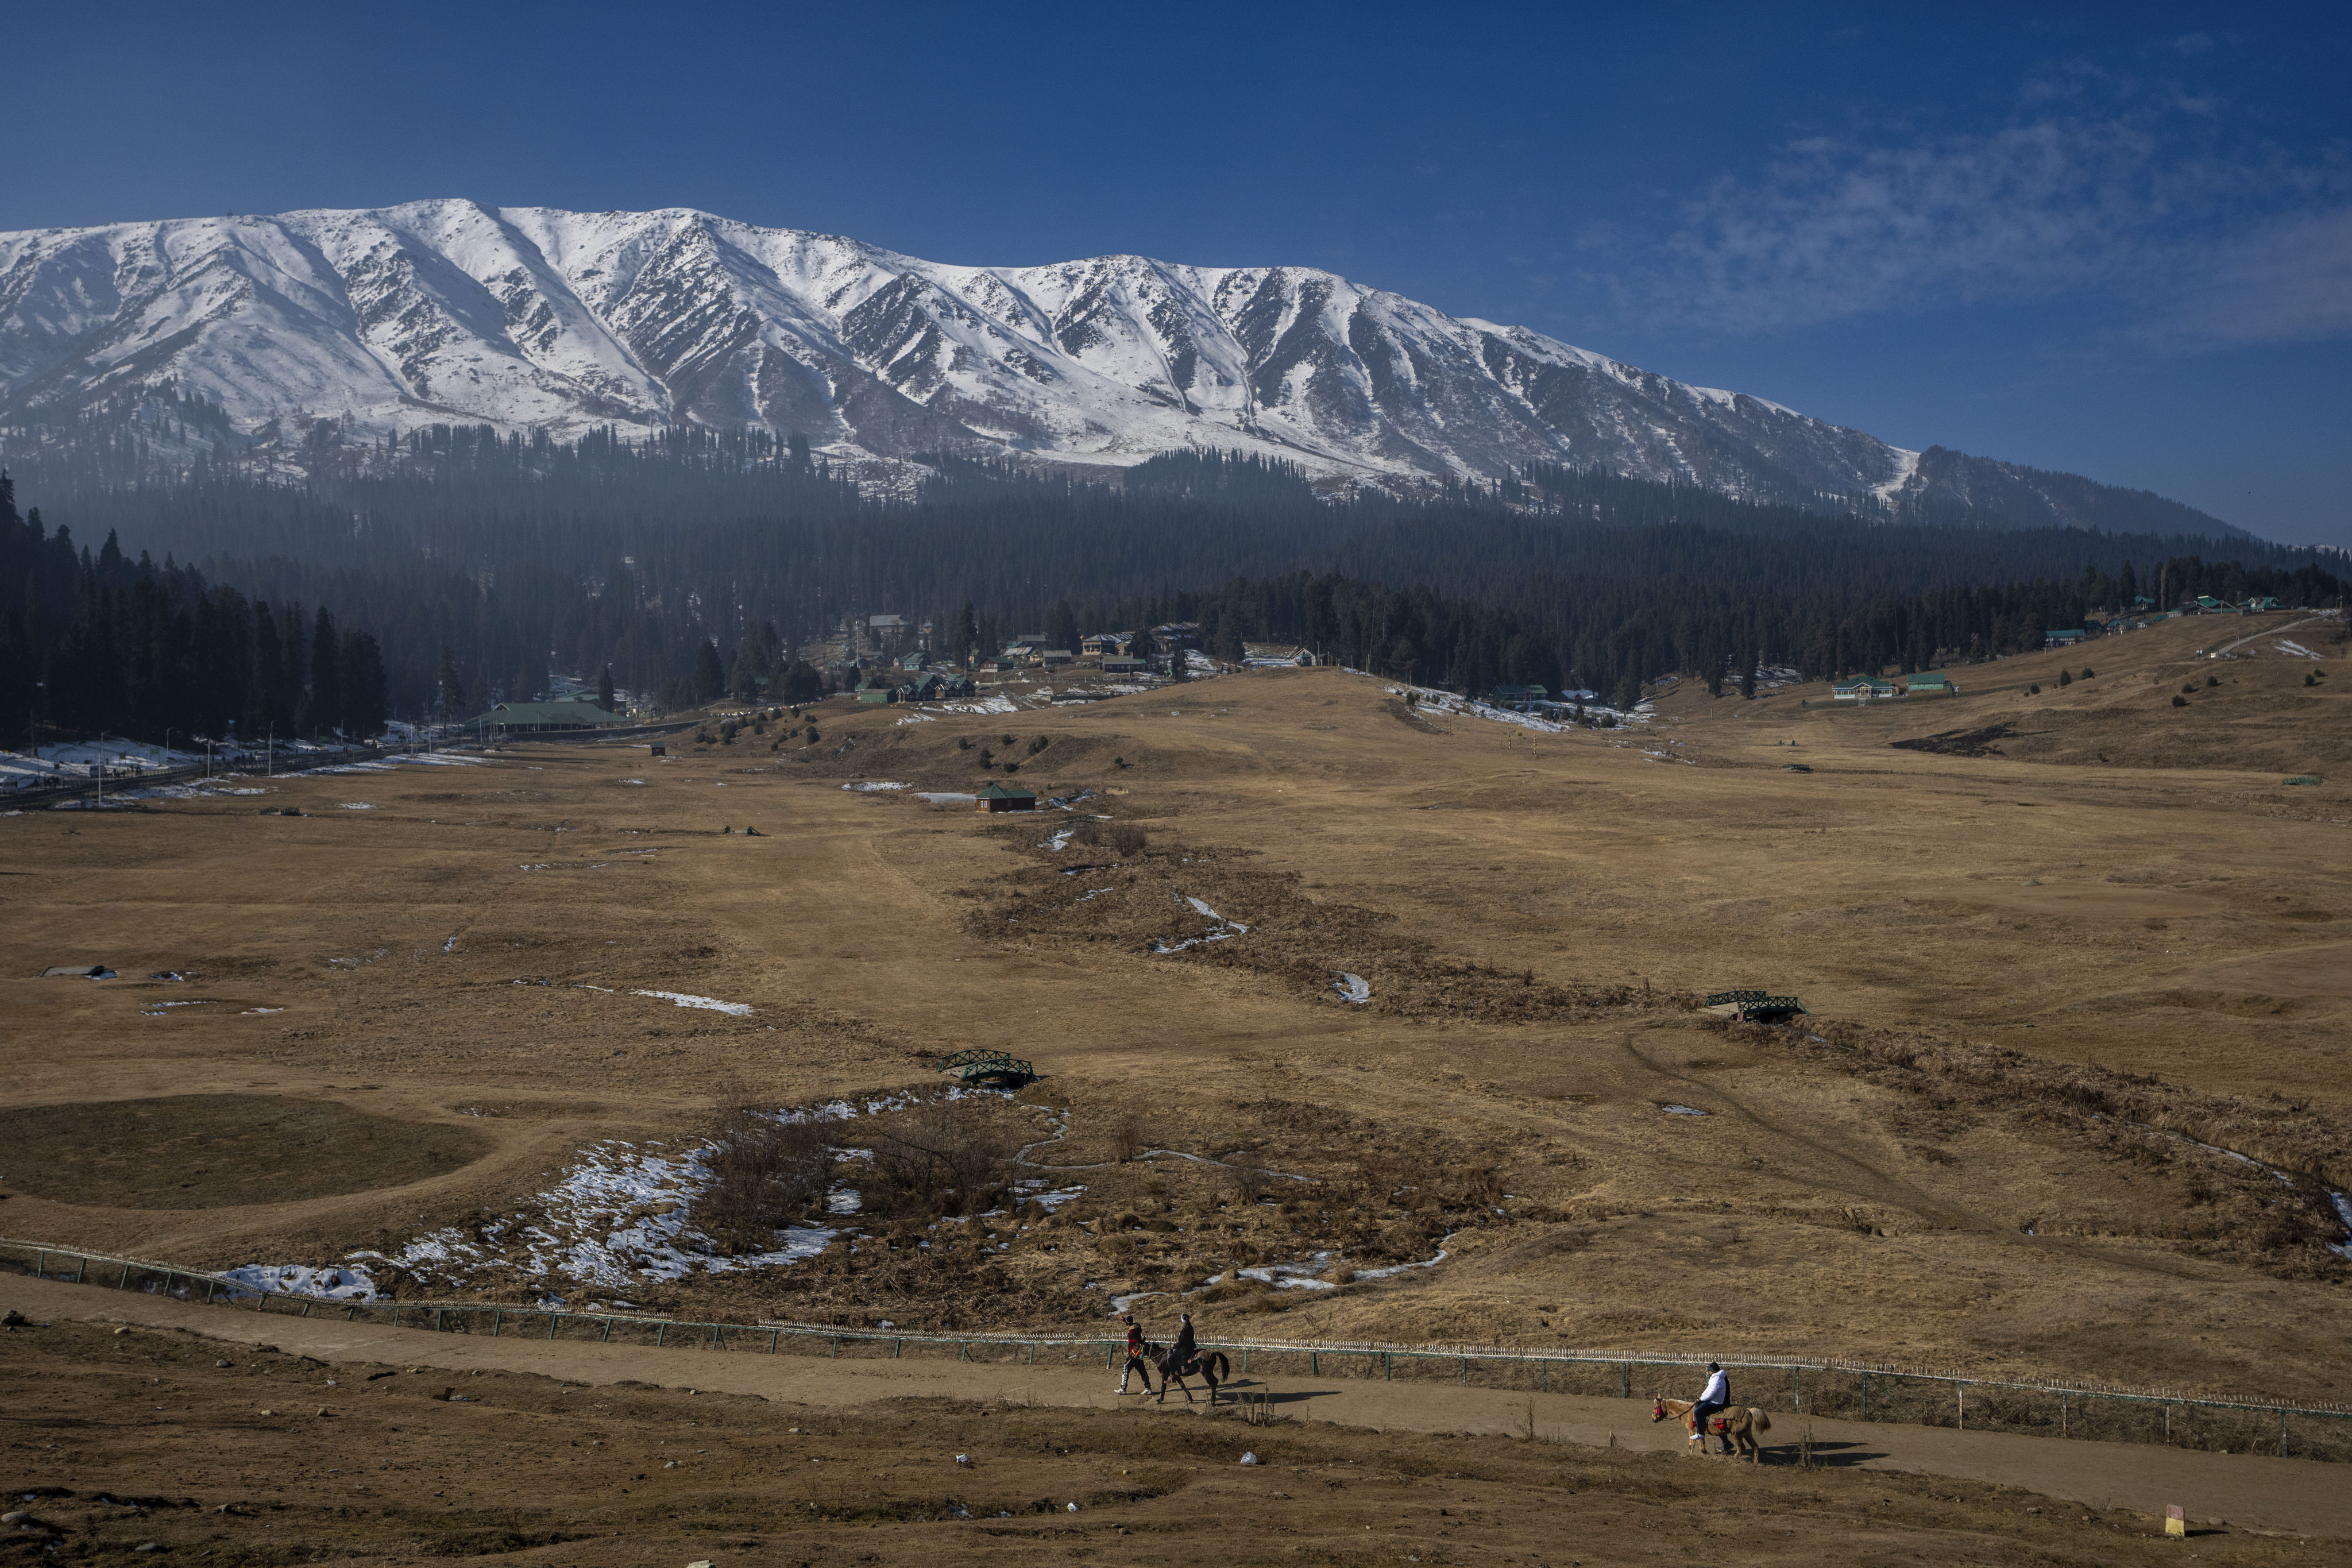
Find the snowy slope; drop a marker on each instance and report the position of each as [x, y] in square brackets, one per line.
[446, 311]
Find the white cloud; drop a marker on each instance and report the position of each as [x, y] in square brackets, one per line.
[2177, 232]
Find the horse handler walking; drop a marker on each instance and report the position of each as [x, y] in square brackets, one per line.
[1136, 1364]
[1715, 1396]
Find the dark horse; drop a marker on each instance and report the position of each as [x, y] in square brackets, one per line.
[1210, 1366]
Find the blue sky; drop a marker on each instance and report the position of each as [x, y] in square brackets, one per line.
[2115, 240]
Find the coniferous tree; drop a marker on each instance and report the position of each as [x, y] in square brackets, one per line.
[709, 675]
[326, 673]
[367, 701]
[604, 694]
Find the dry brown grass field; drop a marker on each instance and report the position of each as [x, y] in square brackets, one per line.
[2049, 957]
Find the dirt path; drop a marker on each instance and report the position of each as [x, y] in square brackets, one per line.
[2292, 1496]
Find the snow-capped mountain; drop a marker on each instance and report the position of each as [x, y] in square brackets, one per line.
[446, 311]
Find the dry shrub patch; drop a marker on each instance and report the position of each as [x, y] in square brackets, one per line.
[1140, 903]
[2232, 1208]
[766, 1173]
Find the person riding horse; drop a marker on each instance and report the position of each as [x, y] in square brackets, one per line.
[1715, 1396]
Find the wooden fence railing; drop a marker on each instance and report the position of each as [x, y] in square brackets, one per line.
[1844, 1390]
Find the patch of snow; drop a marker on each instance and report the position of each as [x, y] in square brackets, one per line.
[357, 806]
[2297, 650]
[1683, 1110]
[868, 786]
[738, 1009]
[340, 1283]
[1354, 987]
[946, 797]
[1393, 1270]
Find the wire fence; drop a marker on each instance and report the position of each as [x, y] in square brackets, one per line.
[1829, 1390]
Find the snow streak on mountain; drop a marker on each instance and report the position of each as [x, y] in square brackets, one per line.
[531, 317]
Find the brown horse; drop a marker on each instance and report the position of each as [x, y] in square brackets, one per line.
[1735, 1424]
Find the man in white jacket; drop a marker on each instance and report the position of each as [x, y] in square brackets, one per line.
[1716, 1397]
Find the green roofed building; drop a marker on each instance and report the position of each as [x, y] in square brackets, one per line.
[996, 797]
[523, 718]
[1929, 683]
[1862, 689]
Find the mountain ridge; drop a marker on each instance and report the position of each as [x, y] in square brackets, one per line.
[357, 324]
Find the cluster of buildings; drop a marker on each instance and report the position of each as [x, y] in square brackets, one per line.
[1875, 687]
[2142, 613]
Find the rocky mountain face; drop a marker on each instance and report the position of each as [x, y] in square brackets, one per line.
[535, 318]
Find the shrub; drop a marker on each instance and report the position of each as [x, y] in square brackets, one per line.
[2064, 679]
[1009, 739]
[2089, 674]
[764, 1173]
[2033, 690]
[1039, 744]
[941, 1158]
[2212, 681]
[1123, 839]
[2179, 700]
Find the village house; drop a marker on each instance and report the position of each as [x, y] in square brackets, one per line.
[1929, 683]
[1105, 644]
[996, 797]
[1521, 698]
[1862, 688]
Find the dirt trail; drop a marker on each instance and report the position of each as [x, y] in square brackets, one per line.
[2293, 1496]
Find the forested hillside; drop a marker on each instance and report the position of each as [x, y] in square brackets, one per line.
[466, 566]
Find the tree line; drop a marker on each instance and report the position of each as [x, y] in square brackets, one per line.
[98, 644]
[476, 565]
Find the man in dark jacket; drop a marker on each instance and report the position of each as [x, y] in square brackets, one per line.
[1180, 1353]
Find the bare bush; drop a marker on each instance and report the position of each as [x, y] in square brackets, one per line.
[940, 1159]
[764, 1173]
[1127, 1133]
[1124, 840]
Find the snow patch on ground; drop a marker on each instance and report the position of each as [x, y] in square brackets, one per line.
[342, 1283]
[737, 1009]
[1683, 1110]
[2297, 650]
[868, 786]
[1354, 987]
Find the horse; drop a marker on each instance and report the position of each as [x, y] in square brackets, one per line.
[1210, 1366]
[1735, 1424]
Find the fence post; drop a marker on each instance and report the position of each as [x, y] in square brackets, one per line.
[1866, 1400]
[550, 1323]
[2282, 1434]
[81, 1267]
[1546, 1376]
[661, 1334]
[1314, 1365]
[898, 1348]
[608, 1332]
[1624, 1380]
[772, 1342]
[1465, 1371]
[1033, 1352]
[306, 1308]
[439, 1315]
[497, 1318]
[2062, 1413]
[1245, 1358]
[1964, 1406]
[1797, 1387]
[1388, 1367]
